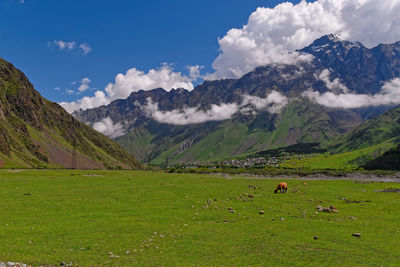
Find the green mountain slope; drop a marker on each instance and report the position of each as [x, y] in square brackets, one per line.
[299, 121]
[374, 131]
[35, 132]
[365, 146]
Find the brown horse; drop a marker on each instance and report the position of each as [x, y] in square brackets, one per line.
[281, 187]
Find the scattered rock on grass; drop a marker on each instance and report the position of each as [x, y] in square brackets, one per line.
[12, 264]
[327, 209]
[261, 212]
[315, 237]
[356, 234]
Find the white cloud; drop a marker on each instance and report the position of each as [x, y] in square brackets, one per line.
[57, 88]
[132, 81]
[86, 102]
[190, 115]
[271, 33]
[108, 128]
[62, 45]
[335, 85]
[389, 95]
[135, 80]
[84, 84]
[194, 72]
[274, 102]
[69, 91]
[85, 48]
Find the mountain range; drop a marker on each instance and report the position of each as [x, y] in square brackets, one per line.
[38, 133]
[324, 96]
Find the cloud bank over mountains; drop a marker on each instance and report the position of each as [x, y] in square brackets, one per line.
[271, 35]
[273, 103]
[389, 95]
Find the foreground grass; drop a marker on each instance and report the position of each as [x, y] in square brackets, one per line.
[49, 217]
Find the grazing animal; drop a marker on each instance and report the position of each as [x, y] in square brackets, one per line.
[281, 187]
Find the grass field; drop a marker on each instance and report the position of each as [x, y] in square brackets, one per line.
[49, 217]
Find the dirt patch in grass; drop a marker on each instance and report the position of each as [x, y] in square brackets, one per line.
[356, 201]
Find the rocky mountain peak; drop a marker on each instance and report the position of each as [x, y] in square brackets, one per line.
[331, 44]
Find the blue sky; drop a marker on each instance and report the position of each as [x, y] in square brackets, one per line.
[96, 51]
[121, 35]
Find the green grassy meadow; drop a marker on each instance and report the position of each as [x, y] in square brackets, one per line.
[169, 219]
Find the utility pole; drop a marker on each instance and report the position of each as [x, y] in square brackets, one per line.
[73, 164]
[73, 160]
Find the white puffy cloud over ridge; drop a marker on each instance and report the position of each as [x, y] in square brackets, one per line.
[132, 81]
[135, 80]
[272, 34]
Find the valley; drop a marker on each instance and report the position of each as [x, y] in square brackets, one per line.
[199, 133]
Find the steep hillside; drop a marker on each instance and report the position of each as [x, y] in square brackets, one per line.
[35, 132]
